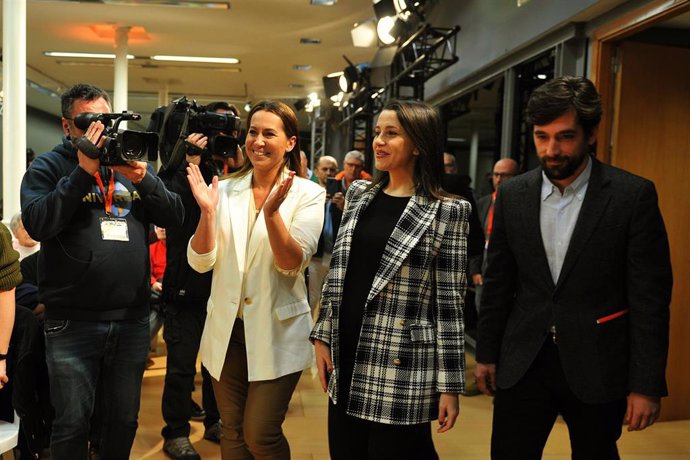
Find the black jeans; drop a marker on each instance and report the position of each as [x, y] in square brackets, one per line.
[351, 437]
[182, 334]
[525, 413]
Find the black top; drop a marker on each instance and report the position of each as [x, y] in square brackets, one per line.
[369, 239]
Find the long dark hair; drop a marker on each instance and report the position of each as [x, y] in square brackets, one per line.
[289, 119]
[422, 124]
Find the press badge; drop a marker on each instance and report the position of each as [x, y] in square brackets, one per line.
[114, 229]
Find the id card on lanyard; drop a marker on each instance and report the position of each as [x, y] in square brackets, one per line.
[112, 228]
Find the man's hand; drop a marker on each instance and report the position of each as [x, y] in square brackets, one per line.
[93, 134]
[133, 170]
[323, 362]
[339, 200]
[477, 279]
[486, 378]
[448, 411]
[237, 161]
[642, 411]
[157, 287]
[3, 374]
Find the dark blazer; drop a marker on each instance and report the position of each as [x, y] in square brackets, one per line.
[411, 345]
[617, 261]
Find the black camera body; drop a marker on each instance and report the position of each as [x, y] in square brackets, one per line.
[183, 117]
[120, 146]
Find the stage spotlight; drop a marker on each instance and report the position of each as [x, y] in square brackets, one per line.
[388, 29]
[300, 104]
[331, 84]
[364, 34]
[384, 8]
[349, 80]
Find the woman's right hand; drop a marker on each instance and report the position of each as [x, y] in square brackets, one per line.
[206, 198]
[323, 362]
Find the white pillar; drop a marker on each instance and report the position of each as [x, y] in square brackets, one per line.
[120, 91]
[13, 104]
[474, 156]
[163, 95]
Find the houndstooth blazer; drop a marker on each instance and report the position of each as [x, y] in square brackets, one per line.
[411, 345]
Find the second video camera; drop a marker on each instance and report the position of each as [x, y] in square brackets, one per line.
[120, 145]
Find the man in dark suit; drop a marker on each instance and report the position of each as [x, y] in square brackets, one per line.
[504, 169]
[574, 317]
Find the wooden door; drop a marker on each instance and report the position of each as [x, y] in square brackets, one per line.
[651, 138]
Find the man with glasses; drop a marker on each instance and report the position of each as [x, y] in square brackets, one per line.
[503, 170]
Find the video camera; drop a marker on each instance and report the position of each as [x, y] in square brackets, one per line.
[120, 146]
[182, 117]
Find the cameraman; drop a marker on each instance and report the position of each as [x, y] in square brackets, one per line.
[93, 273]
[185, 294]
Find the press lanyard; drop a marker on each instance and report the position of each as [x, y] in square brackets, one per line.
[108, 198]
[490, 218]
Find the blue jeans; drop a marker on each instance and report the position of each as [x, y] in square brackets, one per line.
[79, 354]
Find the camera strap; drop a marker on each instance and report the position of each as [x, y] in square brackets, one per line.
[175, 155]
[107, 197]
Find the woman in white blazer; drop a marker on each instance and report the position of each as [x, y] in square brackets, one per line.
[257, 232]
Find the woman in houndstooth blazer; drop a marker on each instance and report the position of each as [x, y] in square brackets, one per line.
[389, 338]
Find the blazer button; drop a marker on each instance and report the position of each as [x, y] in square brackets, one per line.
[247, 301]
[397, 361]
[403, 322]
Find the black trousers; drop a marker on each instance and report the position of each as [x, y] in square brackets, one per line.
[354, 438]
[182, 334]
[525, 413]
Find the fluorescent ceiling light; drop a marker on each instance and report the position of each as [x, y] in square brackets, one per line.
[212, 60]
[324, 2]
[83, 55]
[184, 4]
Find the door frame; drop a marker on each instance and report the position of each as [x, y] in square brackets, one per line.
[602, 48]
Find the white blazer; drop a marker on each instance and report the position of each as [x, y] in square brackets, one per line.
[277, 318]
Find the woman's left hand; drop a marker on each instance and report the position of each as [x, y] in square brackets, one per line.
[277, 196]
[448, 411]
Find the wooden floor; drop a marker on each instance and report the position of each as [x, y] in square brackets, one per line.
[305, 428]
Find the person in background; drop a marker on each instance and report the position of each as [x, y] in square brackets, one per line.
[257, 231]
[157, 251]
[389, 338]
[93, 223]
[10, 277]
[504, 169]
[353, 165]
[450, 163]
[574, 317]
[185, 298]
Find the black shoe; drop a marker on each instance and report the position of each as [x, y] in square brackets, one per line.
[198, 414]
[180, 449]
[212, 433]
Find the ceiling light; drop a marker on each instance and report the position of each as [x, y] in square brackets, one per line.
[248, 107]
[184, 4]
[301, 67]
[211, 60]
[310, 41]
[83, 55]
[323, 2]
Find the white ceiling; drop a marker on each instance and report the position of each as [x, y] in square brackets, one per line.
[263, 34]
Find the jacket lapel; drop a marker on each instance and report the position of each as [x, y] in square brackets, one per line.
[238, 201]
[414, 221]
[532, 226]
[596, 200]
